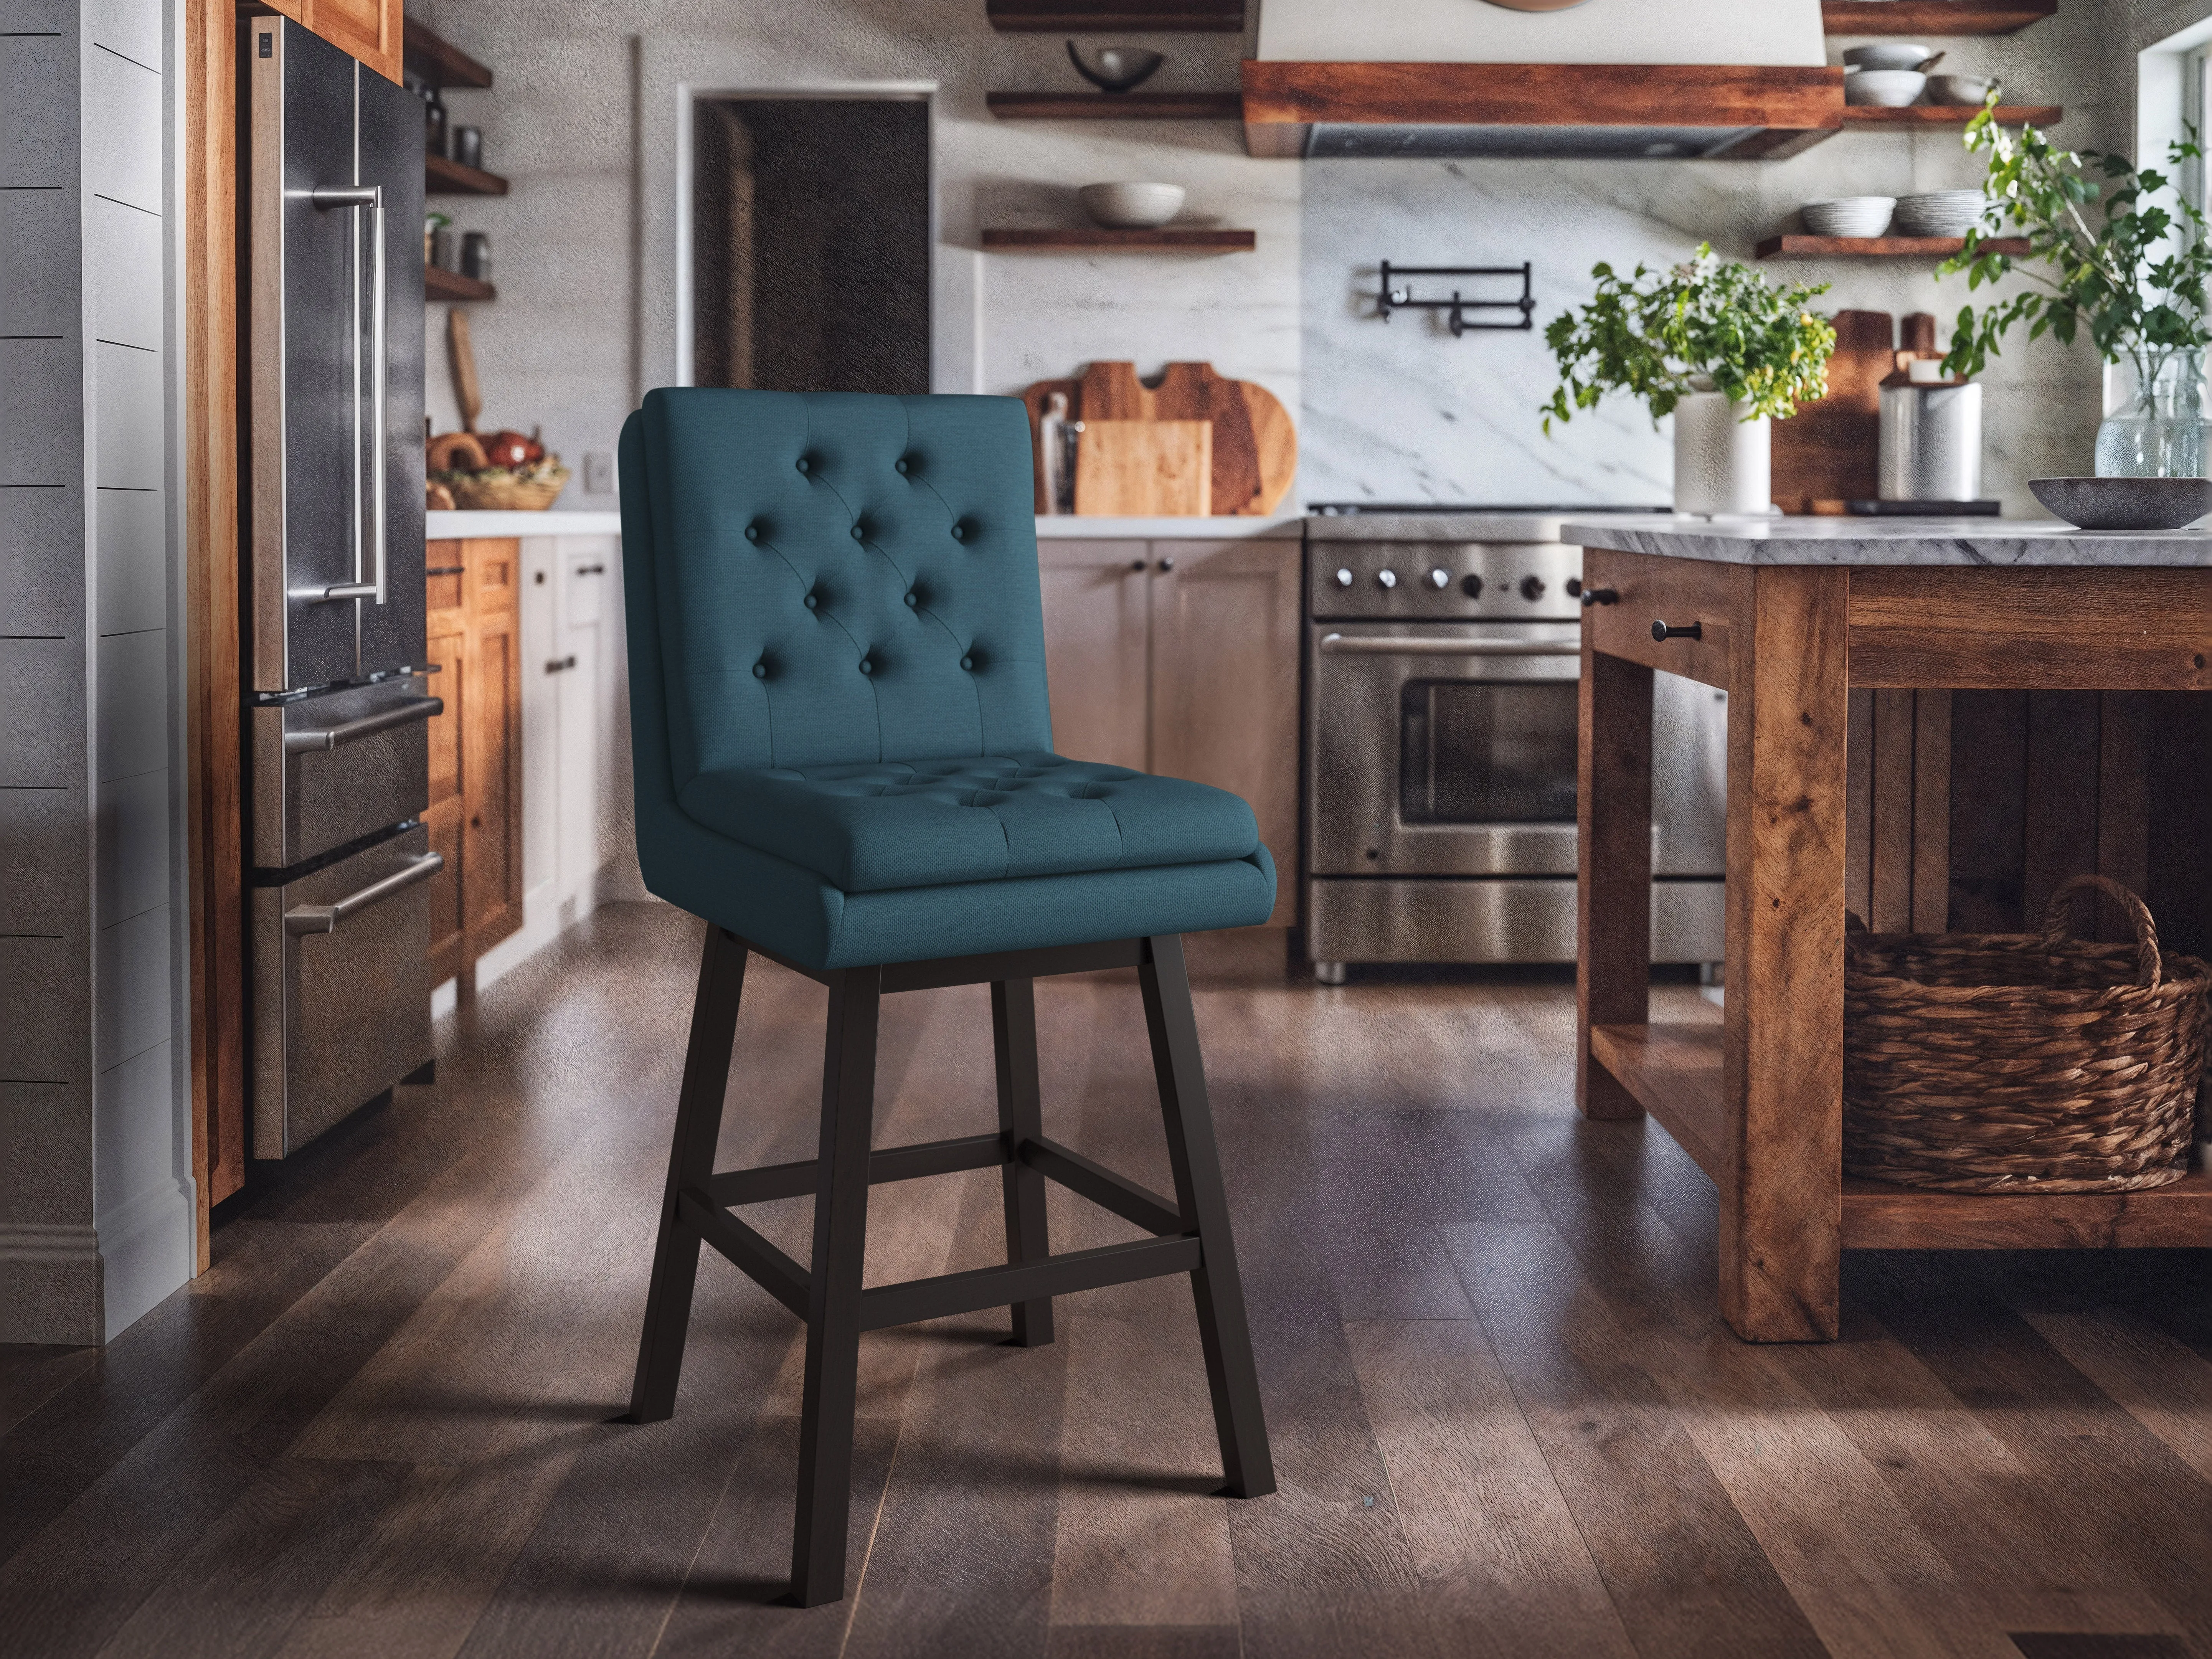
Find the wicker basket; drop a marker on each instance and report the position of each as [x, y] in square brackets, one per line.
[500, 490]
[2007, 1062]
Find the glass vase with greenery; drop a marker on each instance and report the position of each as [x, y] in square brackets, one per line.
[2108, 258]
[1707, 324]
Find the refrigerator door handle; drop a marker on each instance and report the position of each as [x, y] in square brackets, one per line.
[370, 197]
[335, 736]
[326, 918]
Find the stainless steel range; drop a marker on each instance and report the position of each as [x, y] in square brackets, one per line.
[1442, 656]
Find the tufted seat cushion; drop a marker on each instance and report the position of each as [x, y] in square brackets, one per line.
[841, 737]
[923, 823]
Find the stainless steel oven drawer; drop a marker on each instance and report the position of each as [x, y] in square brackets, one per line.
[331, 769]
[1479, 920]
[341, 988]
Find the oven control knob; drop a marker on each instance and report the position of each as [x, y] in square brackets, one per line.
[1471, 586]
[1343, 578]
[1440, 579]
[1532, 588]
[1387, 578]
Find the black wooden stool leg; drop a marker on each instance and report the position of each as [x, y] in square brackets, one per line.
[1229, 1372]
[1021, 1116]
[833, 1317]
[690, 1163]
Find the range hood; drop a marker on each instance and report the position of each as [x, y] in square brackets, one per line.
[1620, 79]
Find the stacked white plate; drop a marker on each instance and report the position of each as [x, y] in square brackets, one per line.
[1849, 216]
[1939, 213]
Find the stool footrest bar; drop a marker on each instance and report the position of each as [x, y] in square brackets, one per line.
[1109, 1191]
[999, 1287]
[752, 1254]
[928, 1157]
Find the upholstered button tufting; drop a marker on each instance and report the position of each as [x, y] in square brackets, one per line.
[968, 662]
[760, 670]
[959, 532]
[802, 463]
[899, 465]
[867, 667]
[810, 602]
[910, 599]
[752, 533]
[858, 534]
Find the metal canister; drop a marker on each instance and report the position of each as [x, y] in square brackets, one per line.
[476, 256]
[1931, 442]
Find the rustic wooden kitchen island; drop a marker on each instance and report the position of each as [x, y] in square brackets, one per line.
[1787, 615]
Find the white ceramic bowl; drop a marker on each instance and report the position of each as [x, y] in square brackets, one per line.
[1968, 90]
[1887, 89]
[1891, 55]
[1849, 216]
[1132, 207]
[1939, 213]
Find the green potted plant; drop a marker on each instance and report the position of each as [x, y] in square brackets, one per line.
[2105, 257]
[1709, 342]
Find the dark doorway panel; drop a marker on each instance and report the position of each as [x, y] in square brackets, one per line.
[810, 243]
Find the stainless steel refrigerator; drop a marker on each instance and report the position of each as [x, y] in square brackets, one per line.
[339, 707]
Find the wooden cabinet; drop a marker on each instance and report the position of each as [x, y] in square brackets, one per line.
[475, 816]
[370, 30]
[1182, 657]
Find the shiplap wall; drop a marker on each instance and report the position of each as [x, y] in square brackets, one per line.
[95, 1197]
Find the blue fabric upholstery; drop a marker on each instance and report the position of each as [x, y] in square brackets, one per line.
[842, 737]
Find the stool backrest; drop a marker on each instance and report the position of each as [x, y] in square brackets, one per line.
[820, 578]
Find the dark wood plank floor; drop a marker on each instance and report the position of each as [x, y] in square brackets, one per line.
[1506, 1419]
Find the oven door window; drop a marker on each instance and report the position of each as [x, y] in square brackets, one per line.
[1484, 751]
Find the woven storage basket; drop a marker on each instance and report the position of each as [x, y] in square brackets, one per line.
[501, 491]
[2008, 1062]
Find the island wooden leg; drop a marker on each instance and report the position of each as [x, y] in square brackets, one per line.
[1613, 897]
[1781, 1198]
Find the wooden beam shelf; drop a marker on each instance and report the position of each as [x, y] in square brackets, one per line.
[1168, 239]
[1674, 1070]
[1880, 247]
[1116, 106]
[1914, 116]
[446, 177]
[439, 62]
[439, 283]
[1933, 16]
[1117, 17]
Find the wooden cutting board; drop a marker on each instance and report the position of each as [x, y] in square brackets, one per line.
[1829, 451]
[1254, 447]
[1145, 469]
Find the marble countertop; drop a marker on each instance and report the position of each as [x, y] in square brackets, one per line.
[1068, 526]
[449, 526]
[1891, 541]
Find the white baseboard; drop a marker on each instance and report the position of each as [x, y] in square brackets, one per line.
[146, 1249]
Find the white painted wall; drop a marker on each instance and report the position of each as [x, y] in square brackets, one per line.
[1595, 32]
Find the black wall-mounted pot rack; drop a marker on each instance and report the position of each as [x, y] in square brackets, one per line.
[1462, 313]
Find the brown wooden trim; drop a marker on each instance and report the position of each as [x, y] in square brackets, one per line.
[1116, 105]
[1933, 16]
[439, 283]
[1545, 94]
[2137, 630]
[1675, 1072]
[215, 808]
[443, 176]
[1613, 857]
[448, 65]
[1677, 591]
[1922, 115]
[1878, 1216]
[1077, 16]
[1793, 246]
[1281, 141]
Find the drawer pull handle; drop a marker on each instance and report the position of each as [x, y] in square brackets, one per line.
[326, 918]
[591, 570]
[446, 570]
[1600, 595]
[1662, 631]
[559, 663]
[318, 738]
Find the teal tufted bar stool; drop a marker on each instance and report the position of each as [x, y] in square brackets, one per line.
[843, 754]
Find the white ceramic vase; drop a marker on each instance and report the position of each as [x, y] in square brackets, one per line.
[1722, 464]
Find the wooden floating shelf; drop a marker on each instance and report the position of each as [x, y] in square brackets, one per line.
[1116, 16]
[1674, 1070]
[446, 177]
[1933, 16]
[1116, 106]
[439, 62]
[1167, 241]
[1880, 247]
[439, 283]
[1948, 115]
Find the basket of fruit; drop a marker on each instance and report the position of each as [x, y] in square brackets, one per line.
[505, 472]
